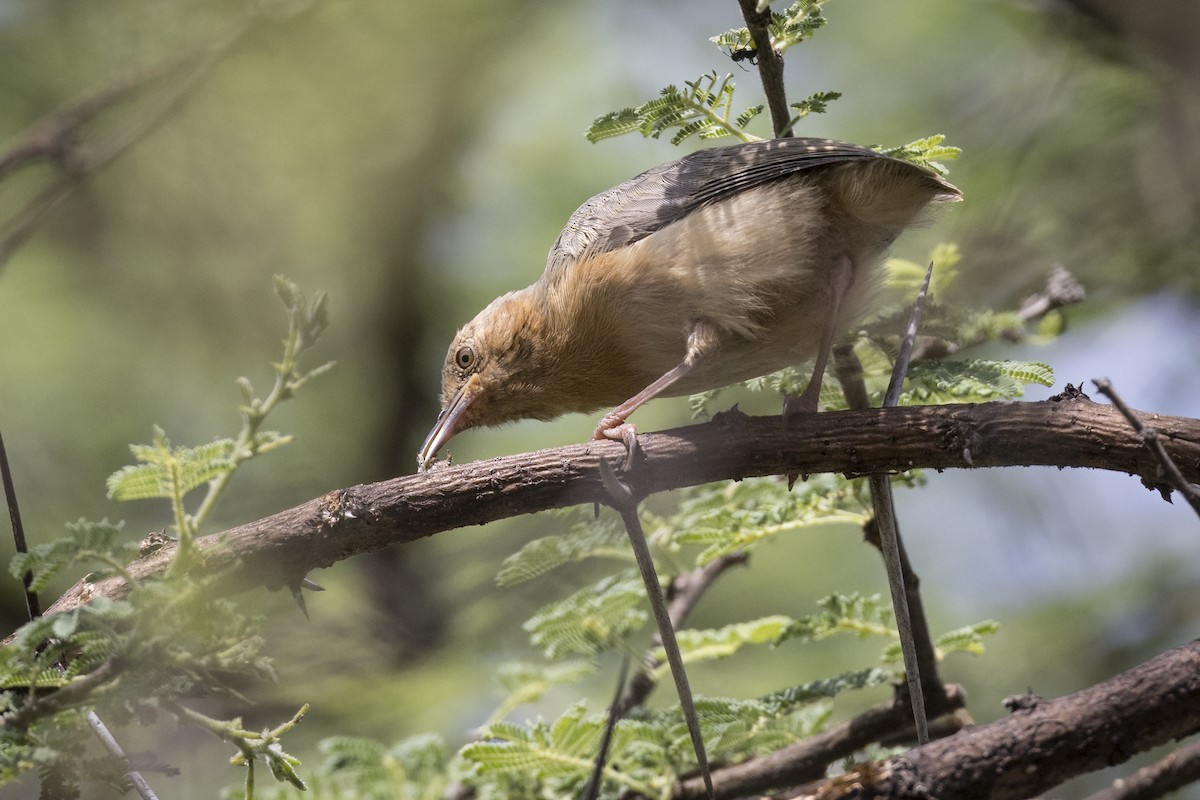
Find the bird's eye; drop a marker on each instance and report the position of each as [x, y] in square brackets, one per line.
[465, 357]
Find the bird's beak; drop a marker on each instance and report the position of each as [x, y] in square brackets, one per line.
[449, 422]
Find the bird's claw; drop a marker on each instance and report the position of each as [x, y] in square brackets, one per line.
[796, 406]
[614, 428]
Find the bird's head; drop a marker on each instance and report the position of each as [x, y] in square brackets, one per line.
[491, 374]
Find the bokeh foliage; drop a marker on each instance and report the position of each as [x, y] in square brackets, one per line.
[414, 175]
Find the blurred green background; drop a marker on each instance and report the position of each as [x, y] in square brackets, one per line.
[417, 159]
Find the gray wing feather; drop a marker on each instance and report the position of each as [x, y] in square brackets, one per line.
[669, 192]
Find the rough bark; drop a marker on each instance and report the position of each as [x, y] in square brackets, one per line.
[280, 549]
[1044, 742]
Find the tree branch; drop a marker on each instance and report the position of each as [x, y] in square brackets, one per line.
[808, 760]
[280, 549]
[1045, 742]
[1174, 771]
[770, 64]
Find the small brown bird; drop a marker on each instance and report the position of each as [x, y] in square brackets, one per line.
[724, 265]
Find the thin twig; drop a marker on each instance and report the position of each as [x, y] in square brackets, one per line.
[592, 789]
[622, 499]
[892, 396]
[1061, 290]
[1151, 439]
[114, 749]
[889, 530]
[926, 655]
[889, 541]
[684, 592]
[915, 642]
[32, 604]
[77, 162]
[770, 65]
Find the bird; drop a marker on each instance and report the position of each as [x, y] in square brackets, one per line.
[724, 265]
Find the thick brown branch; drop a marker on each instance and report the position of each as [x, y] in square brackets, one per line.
[1045, 742]
[1174, 771]
[808, 760]
[280, 549]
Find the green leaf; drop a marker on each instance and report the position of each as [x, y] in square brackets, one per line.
[736, 39]
[706, 645]
[615, 123]
[555, 760]
[862, 615]
[505, 747]
[166, 471]
[590, 539]
[904, 278]
[965, 640]
[755, 731]
[593, 619]
[744, 118]
[972, 381]
[1052, 325]
[826, 688]
[528, 683]
[756, 510]
[796, 24]
[927, 152]
[813, 104]
[701, 109]
[85, 543]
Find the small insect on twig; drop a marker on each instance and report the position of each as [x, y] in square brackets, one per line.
[740, 54]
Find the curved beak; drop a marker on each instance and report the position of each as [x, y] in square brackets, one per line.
[449, 422]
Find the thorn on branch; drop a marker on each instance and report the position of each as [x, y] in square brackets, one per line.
[298, 594]
[1071, 392]
[1021, 702]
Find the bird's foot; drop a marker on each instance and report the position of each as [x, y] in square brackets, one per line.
[800, 405]
[796, 406]
[615, 428]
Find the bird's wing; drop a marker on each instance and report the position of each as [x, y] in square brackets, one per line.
[669, 192]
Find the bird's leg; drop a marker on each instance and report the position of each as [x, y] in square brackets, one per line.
[806, 402]
[701, 342]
